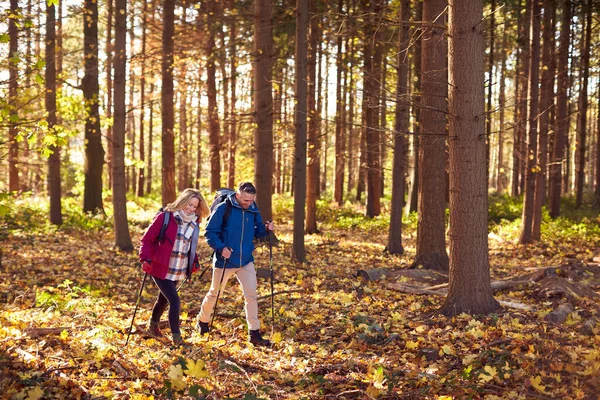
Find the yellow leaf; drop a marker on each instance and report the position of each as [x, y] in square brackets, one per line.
[346, 299]
[448, 350]
[276, 338]
[489, 374]
[196, 369]
[176, 376]
[537, 384]
[412, 345]
[468, 359]
[64, 334]
[35, 394]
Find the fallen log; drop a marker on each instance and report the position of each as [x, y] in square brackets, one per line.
[561, 313]
[421, 275]
[36, 332]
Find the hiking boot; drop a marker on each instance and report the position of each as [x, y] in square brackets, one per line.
[257, 340]
[153, 330]
[178, 340]
[202, 327]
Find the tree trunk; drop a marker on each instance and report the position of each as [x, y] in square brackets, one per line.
[13, 88]
[402, 116]
[597, 177]
[544, 121]
[232, 138]
[183, 148]
[562, 118]
[168, 139]
[299, 252]
[94, 152]
[526, 235]
[150, 141]
[338, 188]
[122, 238]
[469, 288]
[130, 178]
[263, 106]
[488, 119]
[581, 146]
[109, 87]
[353, 131]
[199, 138]
[142, 169]
[502, 181]
[431, 244]
[312, 179]
[54, 180]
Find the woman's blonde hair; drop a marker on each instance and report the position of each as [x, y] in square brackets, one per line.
[185, 198]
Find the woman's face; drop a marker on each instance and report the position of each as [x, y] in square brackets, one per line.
[192, 206]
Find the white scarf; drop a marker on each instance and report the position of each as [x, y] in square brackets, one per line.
[187, 218]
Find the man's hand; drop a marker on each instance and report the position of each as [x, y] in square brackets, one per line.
[226, 252]
[270, 226]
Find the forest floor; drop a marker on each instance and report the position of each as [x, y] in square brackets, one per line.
[67, 298]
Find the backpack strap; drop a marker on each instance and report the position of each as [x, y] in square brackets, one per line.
[226, 214]
[163, 228]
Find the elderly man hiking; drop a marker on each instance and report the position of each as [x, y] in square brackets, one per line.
[231, 230]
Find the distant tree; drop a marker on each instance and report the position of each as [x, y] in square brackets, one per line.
[13, 89]
[299, 252]
[469, 290]
[109, 84]
[122, 237]
[168, 118]
[263, 106]
[338, 189]
[214, 133]
[431, 243]
[143, 61]
[94, 152]
[394, 245]
[54, 181]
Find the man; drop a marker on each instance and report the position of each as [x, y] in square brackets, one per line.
[233, 245]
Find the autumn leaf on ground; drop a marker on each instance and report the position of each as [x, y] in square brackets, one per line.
[196, 369]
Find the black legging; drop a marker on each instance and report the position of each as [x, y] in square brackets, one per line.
[167, 297]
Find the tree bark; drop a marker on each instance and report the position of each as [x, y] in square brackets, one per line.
[431, 245]
[488, 119]
[502, 181]
[54, 179]
[562, 118]
[122, 237]
[299, 252]
[312, 179]
[526, 235]
[469, 289]
[338, 190]
[232, 138]
[401, 126]
[167, 112]
[13, 88]
[94, 152]
[141, 185]
[263, 106]
[109, 87]
[150, 141]
[581, 145]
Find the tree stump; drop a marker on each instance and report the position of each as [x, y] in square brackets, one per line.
[560, 315]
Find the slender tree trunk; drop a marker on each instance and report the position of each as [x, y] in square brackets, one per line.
[54, 180]
[544, 121]
[263, 106]
[199, 138]
[532, 161]
[597, 177]
[142, 169]
[130, 178]
[383, 137]
[502, 182]
[109, 87]
[324, 151]
[469, 290]
[13, 88]
[312, 179]
[353, 132]
[488, 119]
[402, 116]
[338, 194]
[183, 149]
[232, 138]
[149, 167]
[581, 146]
[431, 244]
[168, 139]
[94, 152]
[299, 252]
[122, 238]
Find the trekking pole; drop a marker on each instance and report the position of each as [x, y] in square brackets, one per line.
[137, 303]
[271, 274]
[212, 320]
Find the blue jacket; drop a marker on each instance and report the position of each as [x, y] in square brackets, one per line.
[238, 233]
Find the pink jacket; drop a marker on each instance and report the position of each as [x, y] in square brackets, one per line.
[159, 254]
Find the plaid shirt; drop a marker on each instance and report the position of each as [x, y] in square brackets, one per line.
[181, 247]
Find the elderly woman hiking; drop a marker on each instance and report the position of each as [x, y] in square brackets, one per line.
[174, 257]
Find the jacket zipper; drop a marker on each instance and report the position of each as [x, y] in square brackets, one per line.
[242, 236]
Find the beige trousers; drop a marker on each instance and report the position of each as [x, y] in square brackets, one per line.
[247, 278]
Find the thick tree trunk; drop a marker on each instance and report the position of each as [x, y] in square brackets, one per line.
[168, 119]
[526, 235]
[54, 180]
[122, 238]
[312, 179]
[109, 86]
[353, 131]
[94, 152]
[562, 118]
[581, 145]
[488, 119]
[298, 250]
[183, 149]
[13, 88]
[469, 288]
[545, 111]
[402, 116]
[431, 244]
[263, 106]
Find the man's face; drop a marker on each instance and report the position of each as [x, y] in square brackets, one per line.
[245, 199]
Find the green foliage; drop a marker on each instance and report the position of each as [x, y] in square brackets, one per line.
[504, 208]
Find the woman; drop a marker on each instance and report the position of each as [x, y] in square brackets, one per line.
[174, 257]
